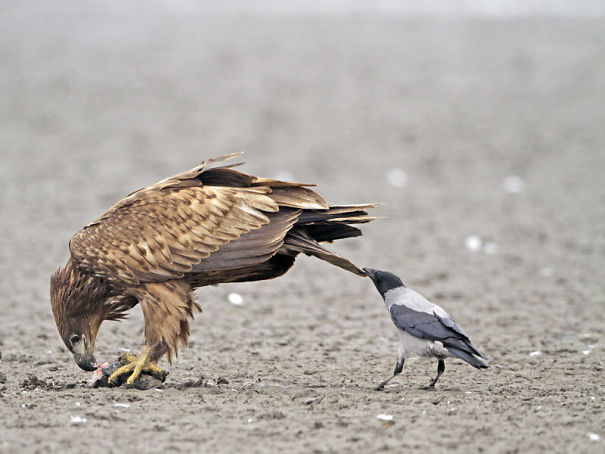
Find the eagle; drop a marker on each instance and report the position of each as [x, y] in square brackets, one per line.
[209, 225]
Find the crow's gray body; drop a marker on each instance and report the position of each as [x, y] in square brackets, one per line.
[425, 329]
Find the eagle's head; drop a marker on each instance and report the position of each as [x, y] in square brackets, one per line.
[78, 304]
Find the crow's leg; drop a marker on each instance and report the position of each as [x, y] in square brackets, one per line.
[440, 370]
[398, 369]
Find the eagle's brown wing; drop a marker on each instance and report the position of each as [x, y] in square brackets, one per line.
[163, 231]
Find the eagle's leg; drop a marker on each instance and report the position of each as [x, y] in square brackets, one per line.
[145, 361]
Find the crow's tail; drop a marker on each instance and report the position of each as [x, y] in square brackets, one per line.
[465, 356]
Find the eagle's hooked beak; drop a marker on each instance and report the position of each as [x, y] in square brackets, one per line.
[83, 354]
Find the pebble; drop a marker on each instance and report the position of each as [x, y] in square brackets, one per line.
[383, 417]
[473, 243]
[236, 299]
[513, 184]
[77, 420]
[536, 353]
[397, 177]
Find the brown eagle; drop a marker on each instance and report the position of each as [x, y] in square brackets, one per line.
[209, 225]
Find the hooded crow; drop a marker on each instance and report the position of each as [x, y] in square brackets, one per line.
[424, 328]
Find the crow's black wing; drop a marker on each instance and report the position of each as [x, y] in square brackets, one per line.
[432, 327]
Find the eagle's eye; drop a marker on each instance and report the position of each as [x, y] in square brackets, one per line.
[73, 339]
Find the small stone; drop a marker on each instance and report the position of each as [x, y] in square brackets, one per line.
[235, 299]
[383, 417]
[2, 378]
[513, 184]
[397, 177]
[77, 420]
[473, 243]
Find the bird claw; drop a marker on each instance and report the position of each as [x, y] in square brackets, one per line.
[136, 364]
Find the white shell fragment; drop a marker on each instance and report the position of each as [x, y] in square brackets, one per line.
[593, 436]
[121, 405]
[77, 420]
[536, 353]
[385, 417]
[513, 184]
[586, 352]
[473, 243]
[235, 299]
[397, 177]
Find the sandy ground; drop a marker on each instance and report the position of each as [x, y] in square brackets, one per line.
[95, 106]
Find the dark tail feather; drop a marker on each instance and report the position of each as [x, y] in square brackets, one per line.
[333, 223]
[472, 360]
[349, 214]
[315, 226]
[464, 345]
[331, 231]
[475, 351]
[295, 242]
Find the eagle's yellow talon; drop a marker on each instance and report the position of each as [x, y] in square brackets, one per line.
[122, 370]
[136, 364]
[130, 358]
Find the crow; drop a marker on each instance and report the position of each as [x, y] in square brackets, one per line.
[424, 328]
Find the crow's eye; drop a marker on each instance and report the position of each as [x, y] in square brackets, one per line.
[73, 339]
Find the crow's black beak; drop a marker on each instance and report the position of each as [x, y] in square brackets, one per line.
[370, 272]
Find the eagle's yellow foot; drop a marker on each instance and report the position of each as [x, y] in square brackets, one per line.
[136, 364]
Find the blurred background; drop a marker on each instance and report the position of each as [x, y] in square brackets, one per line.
[467, 118]
[479, 124]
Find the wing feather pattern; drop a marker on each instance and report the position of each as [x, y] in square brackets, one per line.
[431, 326]
[160, 236]
[161, 231]
[206, 219]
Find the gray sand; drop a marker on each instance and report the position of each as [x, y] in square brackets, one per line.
[96, 106]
